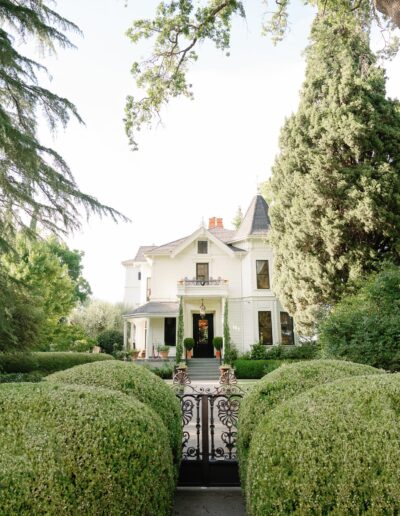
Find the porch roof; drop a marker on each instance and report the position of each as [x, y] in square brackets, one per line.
[155, 309]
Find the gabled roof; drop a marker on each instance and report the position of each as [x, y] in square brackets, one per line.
[256, 222]
[166, 248]
[142, 251]
[223, 234]
[202, 232]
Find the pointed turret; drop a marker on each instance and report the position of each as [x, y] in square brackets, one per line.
[256, 222]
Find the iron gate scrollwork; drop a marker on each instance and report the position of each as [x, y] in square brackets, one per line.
[209, 421]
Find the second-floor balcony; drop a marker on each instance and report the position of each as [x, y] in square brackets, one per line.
[201, 287]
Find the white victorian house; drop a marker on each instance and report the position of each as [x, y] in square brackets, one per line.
[206, 268]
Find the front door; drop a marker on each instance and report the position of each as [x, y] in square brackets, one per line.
[203, 334]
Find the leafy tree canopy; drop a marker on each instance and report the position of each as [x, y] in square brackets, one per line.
[45, 275]
[179, 27]
[34, 179]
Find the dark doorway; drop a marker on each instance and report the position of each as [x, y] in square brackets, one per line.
[203, 334]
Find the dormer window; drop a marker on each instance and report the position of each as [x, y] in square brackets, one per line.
[202, 247]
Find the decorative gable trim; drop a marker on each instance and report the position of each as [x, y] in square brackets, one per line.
[202, 232]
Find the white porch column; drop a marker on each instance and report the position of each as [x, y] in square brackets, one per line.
[125, 335]
[276, 324]
[149, 338]
[131, 334]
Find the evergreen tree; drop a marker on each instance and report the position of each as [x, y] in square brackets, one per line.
[35, 181]
[181, 330]
[227, 336]
[336, 182]
[238, 218]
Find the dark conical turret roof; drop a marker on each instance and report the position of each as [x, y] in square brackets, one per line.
[256, 222]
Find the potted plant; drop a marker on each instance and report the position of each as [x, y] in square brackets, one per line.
[164, 350]
[134, 354]
[217, 343]
[181, 366]
[188, 344]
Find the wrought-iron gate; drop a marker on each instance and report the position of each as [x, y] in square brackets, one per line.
[209, 421]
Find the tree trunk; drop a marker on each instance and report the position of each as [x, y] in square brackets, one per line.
[391, 8]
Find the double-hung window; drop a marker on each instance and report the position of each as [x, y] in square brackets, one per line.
[265, 328]
[262, 270]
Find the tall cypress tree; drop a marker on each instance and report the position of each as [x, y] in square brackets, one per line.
[336, 181]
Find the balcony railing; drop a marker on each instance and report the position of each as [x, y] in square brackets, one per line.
[201, 282]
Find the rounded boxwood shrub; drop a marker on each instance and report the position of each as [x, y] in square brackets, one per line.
[46, 361]
[284, 383]
[331, 450]
[68, 449]
[136, 381]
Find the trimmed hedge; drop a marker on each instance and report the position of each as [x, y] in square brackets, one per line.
[282, 384]
[255, 368]
[78, 450]
[47, 361]
[35, 376]
[136, 381]
[332, 450]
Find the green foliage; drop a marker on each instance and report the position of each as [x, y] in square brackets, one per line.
[111, 341]
[365, 327]
[254, 368]
[72, 259]
[20, 318]
[331, 450]
[35, 181]
[79, 450]
[337, 173]
[229, 354]
[238, 218]
[282, 384]
[304, 352]
[46, 362]
[336, 182]
[178, 27]
[96, 316]
[68, 337]
[258, 352]
[181, 330]
[188, 343]
[166, 371]
[49, 275]
[138, 382]
[35, 376]
[261, 352]
[218, 343]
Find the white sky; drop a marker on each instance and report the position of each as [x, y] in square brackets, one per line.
[206, 158]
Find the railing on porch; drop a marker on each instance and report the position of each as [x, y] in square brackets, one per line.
[201, 282]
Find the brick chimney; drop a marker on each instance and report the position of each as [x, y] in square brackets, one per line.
[212, 223]
[220, 223]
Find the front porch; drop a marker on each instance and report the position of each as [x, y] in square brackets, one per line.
[155, 324]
